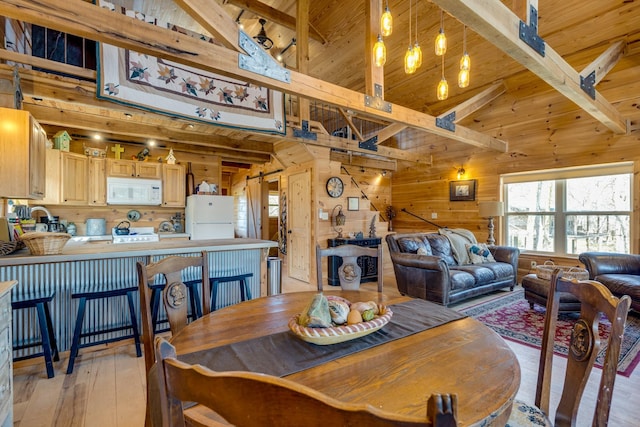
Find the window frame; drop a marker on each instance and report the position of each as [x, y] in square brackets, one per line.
[560, 214]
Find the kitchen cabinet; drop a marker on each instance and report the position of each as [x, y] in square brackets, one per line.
[97, 181]
[22, 155]
[132, 168]
[173, 186]
[6, 368]
[67, 178]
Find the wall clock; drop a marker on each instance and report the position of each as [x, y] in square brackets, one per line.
[335, 187]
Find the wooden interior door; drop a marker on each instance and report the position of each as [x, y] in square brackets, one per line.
[299, 226]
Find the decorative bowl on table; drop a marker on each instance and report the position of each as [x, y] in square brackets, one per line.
[338, 334]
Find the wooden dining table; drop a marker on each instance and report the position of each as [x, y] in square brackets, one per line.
[462, 357]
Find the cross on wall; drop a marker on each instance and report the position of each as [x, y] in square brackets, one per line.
[117, 149]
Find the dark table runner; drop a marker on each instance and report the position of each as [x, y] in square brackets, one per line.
[283, 353]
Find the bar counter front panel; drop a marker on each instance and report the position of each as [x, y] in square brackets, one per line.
[115, 266]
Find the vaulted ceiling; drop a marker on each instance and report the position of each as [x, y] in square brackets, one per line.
[513, 89]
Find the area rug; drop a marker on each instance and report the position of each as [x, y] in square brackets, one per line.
[511, 317]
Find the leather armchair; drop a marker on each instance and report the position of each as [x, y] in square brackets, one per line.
[618, 272]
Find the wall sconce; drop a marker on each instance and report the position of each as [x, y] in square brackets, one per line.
[461, 172]
[383, 173]
[490, 210]
[338, 220]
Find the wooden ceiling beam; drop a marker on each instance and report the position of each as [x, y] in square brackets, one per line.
[214, 19]
[34, 61]
[90, 21]
[363, 161]
[605, 62]
[496, 23]
[274, 15]
[60, 113]
[476, 102]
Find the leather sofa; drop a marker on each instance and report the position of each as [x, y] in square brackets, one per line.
[618, 272]
[438, 277]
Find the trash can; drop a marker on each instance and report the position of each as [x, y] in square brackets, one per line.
[274, 276]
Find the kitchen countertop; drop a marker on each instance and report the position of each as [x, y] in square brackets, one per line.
[107, 237]
[80, 251]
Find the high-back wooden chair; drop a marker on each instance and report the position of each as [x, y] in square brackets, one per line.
[349, 272]
[174, 296]
[248, 399]
[585, 343]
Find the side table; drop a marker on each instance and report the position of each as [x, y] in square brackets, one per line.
[536, 291]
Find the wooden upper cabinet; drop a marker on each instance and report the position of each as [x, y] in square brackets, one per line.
[97, 181]
[22, 155]
[132, 168]
[173, 186]
[67, 178]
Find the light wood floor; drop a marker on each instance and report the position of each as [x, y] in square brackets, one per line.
[107, 386]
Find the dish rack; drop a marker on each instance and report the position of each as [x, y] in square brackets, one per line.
[42, 243]
[546, 270]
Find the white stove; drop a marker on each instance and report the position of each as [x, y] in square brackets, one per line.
[136, 235]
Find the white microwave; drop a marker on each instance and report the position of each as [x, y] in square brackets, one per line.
[134, 191]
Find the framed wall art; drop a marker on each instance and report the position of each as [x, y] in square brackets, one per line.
[353, 203]
[462, 190]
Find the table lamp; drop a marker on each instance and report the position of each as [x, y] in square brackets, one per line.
[490, 210]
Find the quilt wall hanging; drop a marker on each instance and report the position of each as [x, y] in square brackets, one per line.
[167, 87]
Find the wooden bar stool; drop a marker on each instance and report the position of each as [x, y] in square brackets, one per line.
[89, 294]
[40, 301]
[245, 292]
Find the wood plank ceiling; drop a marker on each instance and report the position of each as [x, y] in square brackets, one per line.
[580, 36]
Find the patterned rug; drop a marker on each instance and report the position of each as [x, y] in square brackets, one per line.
[510, 316]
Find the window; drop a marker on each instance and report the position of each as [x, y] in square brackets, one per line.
[274, 204]
[61, 47]
[569, 211]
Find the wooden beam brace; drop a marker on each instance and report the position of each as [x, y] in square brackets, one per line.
[363, 161]
[47, 64]
[496, 23]
[274, 15]
[89, 21]
[389, 131]
[605, 62]
[214, 19]
[476, 102]
[350, 123]
[345, 144]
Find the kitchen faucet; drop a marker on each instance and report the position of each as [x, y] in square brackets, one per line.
[43, 209]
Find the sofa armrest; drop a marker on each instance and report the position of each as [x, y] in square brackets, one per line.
[508, 254]
[422, 276]
[598, 263]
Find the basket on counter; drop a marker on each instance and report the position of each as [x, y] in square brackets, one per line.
[9, 247]
[43, 243]
[546, 270]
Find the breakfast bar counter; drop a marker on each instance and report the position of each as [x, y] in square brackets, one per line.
[106, 265]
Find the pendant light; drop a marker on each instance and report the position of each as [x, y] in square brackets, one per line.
[386, 21]
[441, 39]
[417, 52]
[409, 57]
[443, 87]
[465, 62]
[379, 52]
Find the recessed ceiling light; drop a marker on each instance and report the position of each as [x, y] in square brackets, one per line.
[97, 137]
[190, 125]
[128, 115]
[152, 143]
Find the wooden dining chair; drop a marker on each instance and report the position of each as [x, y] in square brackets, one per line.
[349, 272]
[174, 297]
[247, 399]
[596, 300]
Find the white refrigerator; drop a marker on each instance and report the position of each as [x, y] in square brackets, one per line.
[209, 217]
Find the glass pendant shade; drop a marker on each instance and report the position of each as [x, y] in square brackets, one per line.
[441, 43]
[417, 53]
[409, 61]
[379, 52]
[443, 90]
[463, 78]
[465, 62]
[386, 22]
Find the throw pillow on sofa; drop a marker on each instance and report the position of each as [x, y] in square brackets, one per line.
[479, 253]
